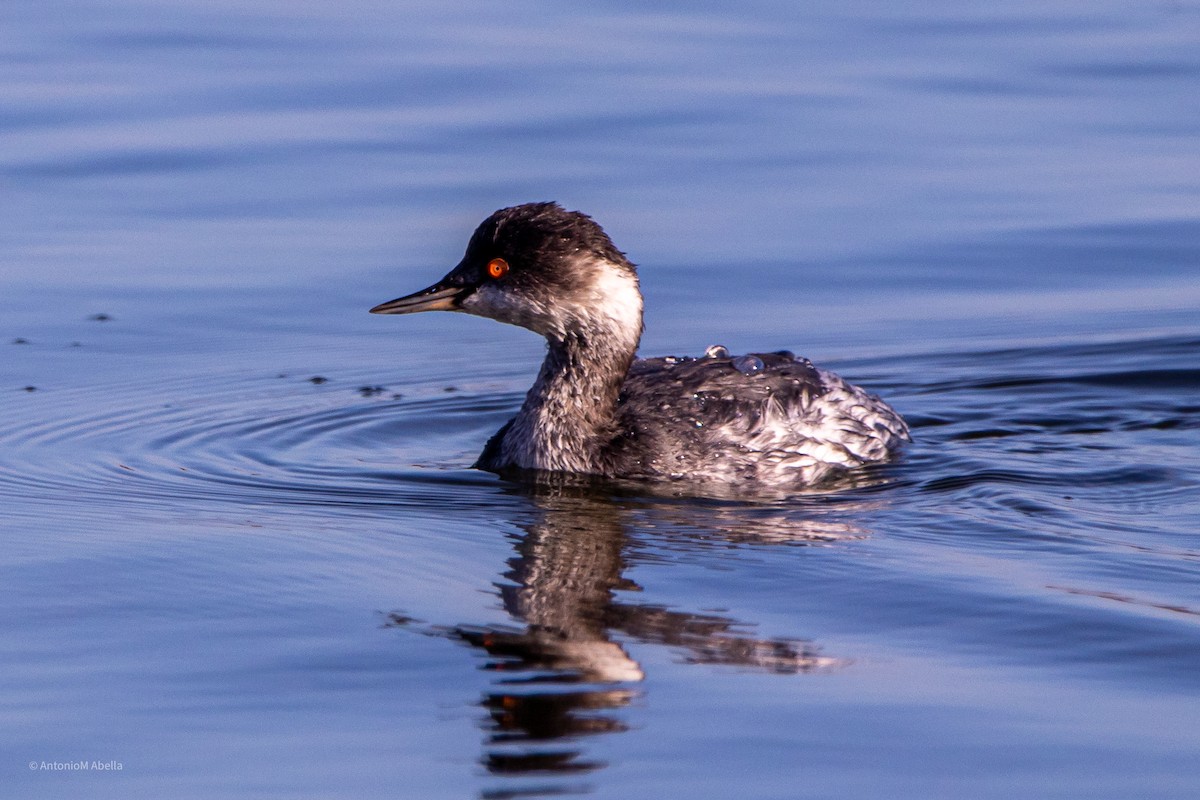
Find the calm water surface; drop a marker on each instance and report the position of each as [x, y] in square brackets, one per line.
[243, 554]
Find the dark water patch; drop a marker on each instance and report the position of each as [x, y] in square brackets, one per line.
[1120, 598]
[987, 433]
[165, 161]
[1135, 379]
[185, 40]
[977, 86]
[1124, 254]
[1113, 477]
[1140, 379]
[1066, 362]
[927, 420]
[1192, 420]
[971, 24]
[1128, 70]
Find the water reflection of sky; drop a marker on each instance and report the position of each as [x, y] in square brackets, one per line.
[698, 134]
[986, 213]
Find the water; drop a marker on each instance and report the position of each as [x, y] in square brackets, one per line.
[243, 553]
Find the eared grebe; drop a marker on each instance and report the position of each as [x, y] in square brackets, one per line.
[764, 418]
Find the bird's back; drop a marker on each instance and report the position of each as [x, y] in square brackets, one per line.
[766, 418]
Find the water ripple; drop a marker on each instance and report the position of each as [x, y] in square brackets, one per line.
[242, 444]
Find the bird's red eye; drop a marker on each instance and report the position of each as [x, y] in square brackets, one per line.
[497, 268]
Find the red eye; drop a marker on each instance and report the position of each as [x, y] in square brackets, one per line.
[497, 268]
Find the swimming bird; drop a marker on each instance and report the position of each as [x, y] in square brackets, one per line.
[762, 418]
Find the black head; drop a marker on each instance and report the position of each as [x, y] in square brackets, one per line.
[535, 265]
[540, 238]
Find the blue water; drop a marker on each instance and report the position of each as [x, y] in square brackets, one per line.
[243, 554]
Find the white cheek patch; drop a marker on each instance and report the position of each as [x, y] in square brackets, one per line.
[606, 300]
[488, 301]
[493, 302]
[615, 295]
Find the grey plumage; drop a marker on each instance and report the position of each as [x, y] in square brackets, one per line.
[765, 418]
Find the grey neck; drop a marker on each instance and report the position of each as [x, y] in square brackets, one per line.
[569, 414]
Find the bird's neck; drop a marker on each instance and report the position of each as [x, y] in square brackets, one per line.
[570, 412]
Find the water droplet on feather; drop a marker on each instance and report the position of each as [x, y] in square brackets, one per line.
[748, 365]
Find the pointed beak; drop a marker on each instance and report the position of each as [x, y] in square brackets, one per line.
[442, 296]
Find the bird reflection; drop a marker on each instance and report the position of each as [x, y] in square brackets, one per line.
[562, 672]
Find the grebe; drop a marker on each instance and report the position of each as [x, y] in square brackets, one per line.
[763, 418]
